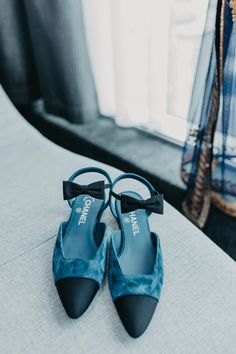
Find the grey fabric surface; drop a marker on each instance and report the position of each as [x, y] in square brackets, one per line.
[44, 54]
[197, 311]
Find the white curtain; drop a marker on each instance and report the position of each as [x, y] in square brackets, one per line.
[144, 55]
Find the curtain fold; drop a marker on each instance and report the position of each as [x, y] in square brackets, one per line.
[209, 156]
[44, 55]
[144, 56]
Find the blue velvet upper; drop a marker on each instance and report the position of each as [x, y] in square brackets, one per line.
[91, 269]
[125, 284]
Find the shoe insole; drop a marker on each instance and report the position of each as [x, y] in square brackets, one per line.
[136, 252]
[78, 240]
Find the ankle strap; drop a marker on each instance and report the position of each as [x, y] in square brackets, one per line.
[95, 189]
[154, 204]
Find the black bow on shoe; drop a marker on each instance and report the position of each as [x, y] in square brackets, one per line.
[153, 204]
[95, 189]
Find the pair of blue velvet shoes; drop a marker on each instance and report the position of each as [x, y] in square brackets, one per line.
[135, 270]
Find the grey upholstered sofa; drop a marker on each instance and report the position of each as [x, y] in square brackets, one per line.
[197, 311]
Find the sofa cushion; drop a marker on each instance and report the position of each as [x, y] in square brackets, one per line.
[197, 309]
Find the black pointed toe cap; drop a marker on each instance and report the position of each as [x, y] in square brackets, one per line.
[135, 312]
[76, 294]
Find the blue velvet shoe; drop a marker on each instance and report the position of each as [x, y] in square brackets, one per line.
[136, 264]
[79, 259]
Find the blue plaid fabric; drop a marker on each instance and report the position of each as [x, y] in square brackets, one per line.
[222, 162]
